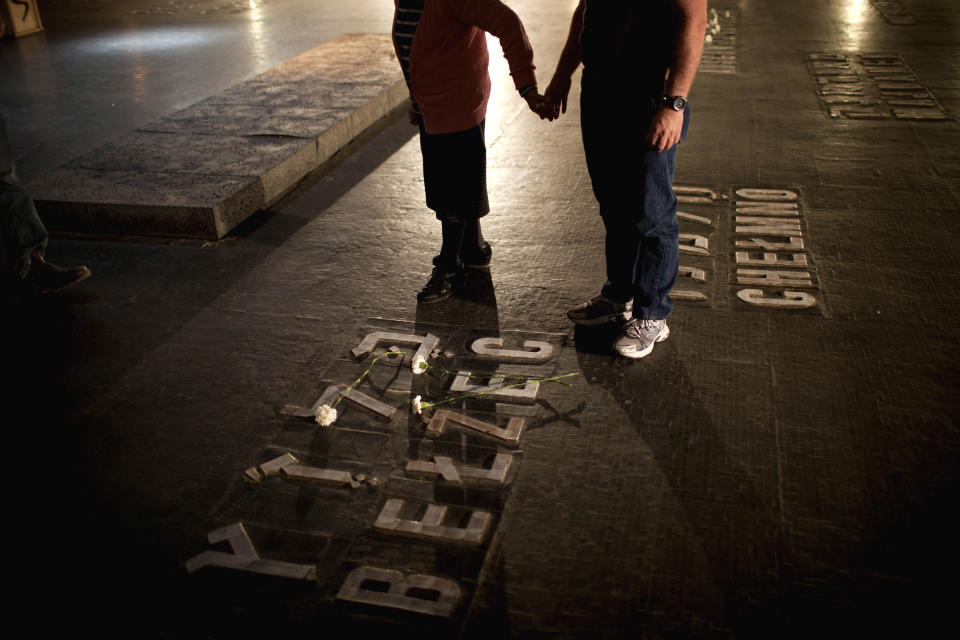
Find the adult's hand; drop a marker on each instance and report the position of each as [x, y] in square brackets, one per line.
[557, 92]
[665, 129]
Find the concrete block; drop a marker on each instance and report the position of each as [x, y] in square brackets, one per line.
[201, 171]
[132, 202]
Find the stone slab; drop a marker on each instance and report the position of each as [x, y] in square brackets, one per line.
[138, 203]
[201, 171]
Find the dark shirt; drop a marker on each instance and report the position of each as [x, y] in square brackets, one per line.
[629, 41]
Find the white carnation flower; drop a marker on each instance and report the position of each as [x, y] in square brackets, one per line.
[419, 365]
[415, 405]
[326, 415]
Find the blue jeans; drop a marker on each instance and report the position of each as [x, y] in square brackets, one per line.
[21, 231]
[634, 188]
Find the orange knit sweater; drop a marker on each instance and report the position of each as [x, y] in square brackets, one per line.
[449, 58]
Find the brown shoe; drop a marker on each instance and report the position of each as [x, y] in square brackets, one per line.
[46, 277]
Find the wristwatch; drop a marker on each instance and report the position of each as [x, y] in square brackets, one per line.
[677, 103]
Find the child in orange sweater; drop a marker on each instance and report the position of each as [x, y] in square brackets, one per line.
[441, 45]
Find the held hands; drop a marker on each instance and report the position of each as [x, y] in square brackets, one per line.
[540, 105]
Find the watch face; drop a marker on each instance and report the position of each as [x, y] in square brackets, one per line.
[677, 103]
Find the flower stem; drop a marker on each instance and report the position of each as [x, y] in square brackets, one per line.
[475, 394]
[354, 384]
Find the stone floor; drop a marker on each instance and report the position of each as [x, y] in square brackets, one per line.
[782, 466]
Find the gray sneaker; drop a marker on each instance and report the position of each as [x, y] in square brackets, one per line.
[638, 337]
[600, 310]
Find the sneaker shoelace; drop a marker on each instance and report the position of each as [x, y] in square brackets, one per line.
[653, 326]
[632, 329]
[642, 329]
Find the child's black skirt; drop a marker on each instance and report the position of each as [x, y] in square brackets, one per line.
[455, 173]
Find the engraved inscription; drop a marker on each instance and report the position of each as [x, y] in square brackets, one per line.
[784, 299]
[683, 215]
[772, 255]
[871, 86]
[695, 244]
[767, 259]
[760, 226]
[720, 42]
[700, 204]
[892, 11]
[775, 278]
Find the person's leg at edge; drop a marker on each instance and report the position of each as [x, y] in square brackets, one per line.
[659, 255]
[454, 171]
[475, 251]
[608, 148]
[23, 234]
[447, 273]
[451, 231]
[658, 234]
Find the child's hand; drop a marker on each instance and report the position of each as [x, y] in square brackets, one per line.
[412, 112]
[541, 106]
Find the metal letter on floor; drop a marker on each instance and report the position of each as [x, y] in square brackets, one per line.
[492, 348]
[445, 468]
[496, 388]
[788, 299]
[330, 395]
[510, 433]
[397, 595]
[430, 526]
[427, 343]
[245, 557]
